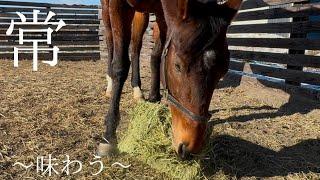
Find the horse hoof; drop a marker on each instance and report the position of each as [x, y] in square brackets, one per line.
[141, 99]
[106, 150]
[137, 94]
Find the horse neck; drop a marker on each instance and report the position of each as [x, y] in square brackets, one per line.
[170, 12]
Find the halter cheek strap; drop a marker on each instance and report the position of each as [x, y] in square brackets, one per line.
[172, 100]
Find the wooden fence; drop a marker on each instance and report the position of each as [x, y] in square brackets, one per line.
[269, 41]
[78, 40]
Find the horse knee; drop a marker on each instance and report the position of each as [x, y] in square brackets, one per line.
[120, 70]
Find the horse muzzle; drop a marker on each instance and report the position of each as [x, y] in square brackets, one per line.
[183, 152]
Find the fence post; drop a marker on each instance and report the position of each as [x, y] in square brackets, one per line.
[102, 37]
[295, 51]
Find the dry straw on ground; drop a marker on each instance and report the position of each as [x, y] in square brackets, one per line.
[149, 138]
[258, 132]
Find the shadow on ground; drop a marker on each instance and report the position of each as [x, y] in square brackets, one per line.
[241, 158]
[295, 104]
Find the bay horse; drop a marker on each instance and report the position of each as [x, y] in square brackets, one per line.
[191, 55]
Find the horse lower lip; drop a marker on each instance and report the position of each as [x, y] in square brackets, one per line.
[180, 149]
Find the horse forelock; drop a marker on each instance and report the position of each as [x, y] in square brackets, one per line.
[192, 38]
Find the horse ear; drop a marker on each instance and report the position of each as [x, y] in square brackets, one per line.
[183, 8]
[226, 9]
[231, 8]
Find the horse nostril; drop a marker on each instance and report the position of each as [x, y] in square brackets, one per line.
[183, 152]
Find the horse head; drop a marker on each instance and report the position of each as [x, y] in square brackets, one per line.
[195, 57]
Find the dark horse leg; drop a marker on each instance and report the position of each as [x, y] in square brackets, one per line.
[160, 39]
[109, 39]
[121, 15]
[139, 26]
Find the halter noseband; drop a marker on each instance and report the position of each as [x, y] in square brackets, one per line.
[172, 100]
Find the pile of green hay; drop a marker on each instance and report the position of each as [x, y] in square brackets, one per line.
[149, 138]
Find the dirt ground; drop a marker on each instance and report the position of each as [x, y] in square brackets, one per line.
[257, 132]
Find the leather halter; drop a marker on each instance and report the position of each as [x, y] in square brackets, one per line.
[172, 100]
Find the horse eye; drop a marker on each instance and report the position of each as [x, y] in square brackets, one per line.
[177, 67]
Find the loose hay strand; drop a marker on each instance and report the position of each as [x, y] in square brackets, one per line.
[149, 138]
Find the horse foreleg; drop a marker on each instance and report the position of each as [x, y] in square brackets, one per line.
[139, 26]
[121, 16]
[160, 38]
